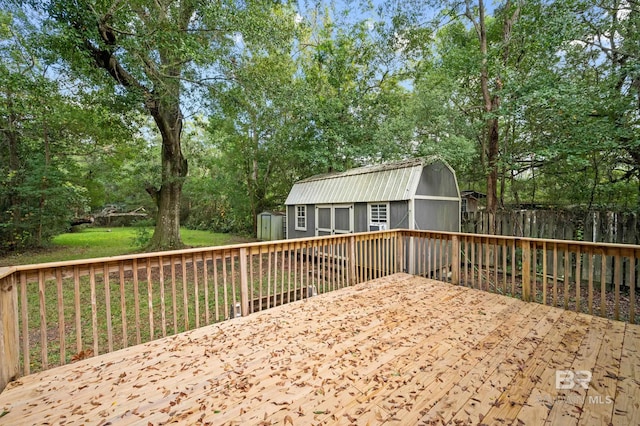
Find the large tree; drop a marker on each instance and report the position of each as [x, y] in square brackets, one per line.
[46, 134]
[155, 55]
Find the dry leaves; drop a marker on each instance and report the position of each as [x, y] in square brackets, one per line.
[87, 353]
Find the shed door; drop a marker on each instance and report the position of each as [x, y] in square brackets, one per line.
[323, 220]
[265, 231]
[342, 219]
[334, 219]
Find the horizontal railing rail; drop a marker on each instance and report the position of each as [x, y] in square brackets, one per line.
[55, 313]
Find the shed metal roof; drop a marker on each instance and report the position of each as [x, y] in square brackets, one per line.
[383, 182]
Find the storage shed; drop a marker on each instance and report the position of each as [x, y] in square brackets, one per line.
[271, 226]
[420, 193]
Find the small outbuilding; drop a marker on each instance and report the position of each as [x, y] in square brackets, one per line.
[419, 193]
[271, 226]
[471, 200]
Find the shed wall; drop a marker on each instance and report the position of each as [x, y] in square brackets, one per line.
[437, 215]
[291, 222]
[437, 180]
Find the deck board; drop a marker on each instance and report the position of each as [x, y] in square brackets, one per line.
[397, 350]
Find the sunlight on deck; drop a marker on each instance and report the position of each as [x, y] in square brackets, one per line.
[398, 350]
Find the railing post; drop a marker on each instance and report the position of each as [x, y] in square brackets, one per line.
[455, 260]
[244, 282]
[399, 257]
[9, 336]
[526, 270]
[411, 267]
[352, 260]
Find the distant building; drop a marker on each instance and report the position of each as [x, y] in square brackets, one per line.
[419, 193]
[470, 201]
[271, 226]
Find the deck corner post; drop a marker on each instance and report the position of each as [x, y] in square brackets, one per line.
[526, 270]
[9, 335]
[455, 260]
[399, 266]
[352, 260]
[244, 282]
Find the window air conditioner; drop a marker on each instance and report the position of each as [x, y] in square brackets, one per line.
[377, 226]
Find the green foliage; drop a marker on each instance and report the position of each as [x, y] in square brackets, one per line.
[94, 242]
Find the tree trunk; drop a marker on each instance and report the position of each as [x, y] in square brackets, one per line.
[174, 170]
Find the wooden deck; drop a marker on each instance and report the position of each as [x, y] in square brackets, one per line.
[398, 350]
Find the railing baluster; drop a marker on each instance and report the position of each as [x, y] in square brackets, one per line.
[566, 277]
[603, 285]
[123, 308]
[544, 273]
[472, 265]
[534, 263]
[268, 277]
[234, 283]
[505, 253]
[261, 276]
[288, 272]
[216, 299]
[591, 267]
[43, 318]
[244, 285]
[163, 307]
[61, 327]
[94, 310]
[196, 290]
[136, 299]
[555, 275]
[174, 294]
[513, 267]
[26, 347]
[274, 260]
[185, 290]
[224, 285]
[444, 258]
[487, 263]
[252, 307]
[296, 257]
[150, 299]
[107, 305]
[617, 281]
[577, 279]
[282, 273]
[526, 271]
[481, 262]
[632, 289]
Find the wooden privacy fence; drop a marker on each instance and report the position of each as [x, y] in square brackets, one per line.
[579, 225]
[52, 314]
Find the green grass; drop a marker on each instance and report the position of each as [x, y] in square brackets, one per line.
[105, 242]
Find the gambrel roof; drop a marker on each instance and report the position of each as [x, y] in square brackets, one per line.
[383, 182]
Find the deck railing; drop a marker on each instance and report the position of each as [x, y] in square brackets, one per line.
[52, 314]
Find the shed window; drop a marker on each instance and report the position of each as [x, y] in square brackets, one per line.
[378, 215]
[301, 218]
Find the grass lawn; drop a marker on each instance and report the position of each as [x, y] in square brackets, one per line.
[103, 242]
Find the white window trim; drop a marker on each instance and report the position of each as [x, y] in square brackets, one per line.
[370, 219]
[297, 227]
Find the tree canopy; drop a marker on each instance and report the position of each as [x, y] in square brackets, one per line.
[214, 109]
